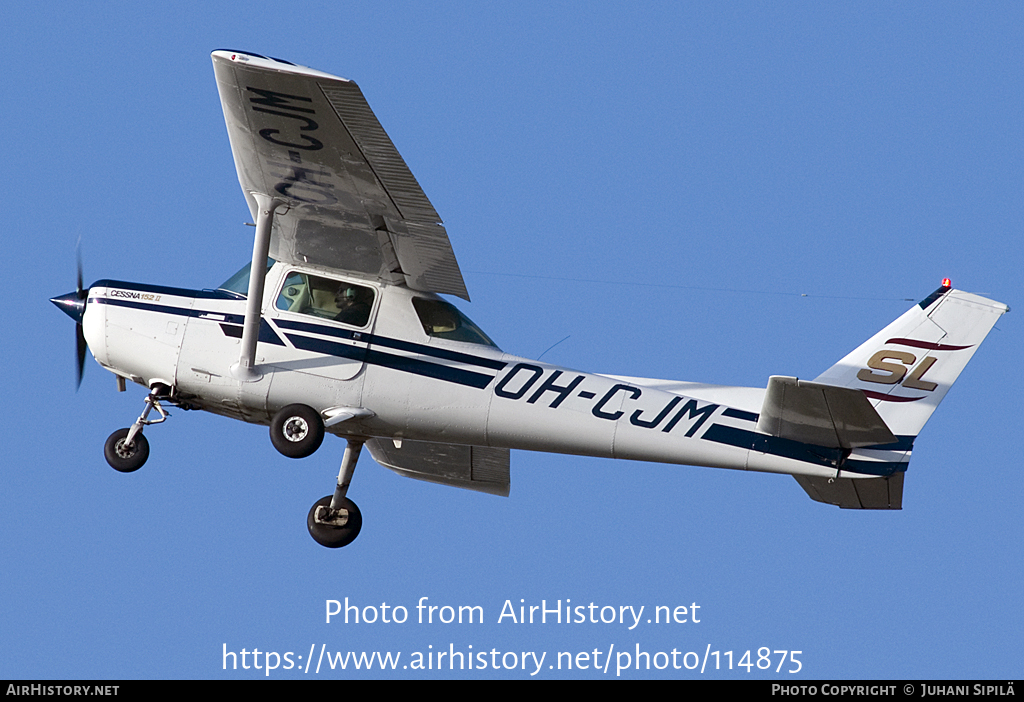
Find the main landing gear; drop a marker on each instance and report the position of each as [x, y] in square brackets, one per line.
[334, 521]
[126, 450]
[297, 431]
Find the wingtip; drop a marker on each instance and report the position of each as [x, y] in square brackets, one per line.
[269, 62]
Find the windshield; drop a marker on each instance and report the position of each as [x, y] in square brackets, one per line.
[239, 282]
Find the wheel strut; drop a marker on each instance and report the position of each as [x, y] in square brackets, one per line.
[143, 421]
[126, 450]
[348, 467]
[336, 514]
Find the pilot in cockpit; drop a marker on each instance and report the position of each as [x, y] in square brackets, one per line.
[353, 305]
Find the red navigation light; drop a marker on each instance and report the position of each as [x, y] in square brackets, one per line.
[947, 283]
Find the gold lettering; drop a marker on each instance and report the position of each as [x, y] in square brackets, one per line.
[878, 362]
[915, 380]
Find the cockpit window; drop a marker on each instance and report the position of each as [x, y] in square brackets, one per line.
[326, 298]
[445, 321]
[239, 282]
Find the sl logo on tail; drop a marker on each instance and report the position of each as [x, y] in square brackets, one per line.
[893, 373]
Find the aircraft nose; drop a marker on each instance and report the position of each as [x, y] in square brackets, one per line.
[71, 304]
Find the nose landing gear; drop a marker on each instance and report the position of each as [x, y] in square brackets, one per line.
[126, 450]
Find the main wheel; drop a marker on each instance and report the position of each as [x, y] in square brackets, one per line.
[335, 536]
[297, 431]
[123, 458]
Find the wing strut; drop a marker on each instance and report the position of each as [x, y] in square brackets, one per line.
[245, 369]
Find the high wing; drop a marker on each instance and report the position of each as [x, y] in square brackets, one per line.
[309, 139]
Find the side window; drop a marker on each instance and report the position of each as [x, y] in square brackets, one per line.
[445, 321]
[326, 299]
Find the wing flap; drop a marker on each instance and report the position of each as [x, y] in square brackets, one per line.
[311, 140]
[479, 468]
[823, 415]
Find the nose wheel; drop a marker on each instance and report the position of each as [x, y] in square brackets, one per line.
[126, 450]
[124, 456]
[334, 521]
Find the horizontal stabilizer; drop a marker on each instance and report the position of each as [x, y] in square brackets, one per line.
[823, 415]
[856, 493]
[478, 468]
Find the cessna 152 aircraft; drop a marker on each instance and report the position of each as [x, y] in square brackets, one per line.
[337, 325]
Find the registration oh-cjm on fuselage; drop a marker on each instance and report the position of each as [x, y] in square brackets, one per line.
[338, 325]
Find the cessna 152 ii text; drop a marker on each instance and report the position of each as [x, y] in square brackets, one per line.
[337, 325]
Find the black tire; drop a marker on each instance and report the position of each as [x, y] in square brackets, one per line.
[335, 537]
[297, 431]
[122, 458]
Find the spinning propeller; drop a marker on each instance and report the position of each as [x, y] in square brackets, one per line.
[73, 305]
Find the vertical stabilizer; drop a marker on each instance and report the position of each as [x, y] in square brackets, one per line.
[906, 369]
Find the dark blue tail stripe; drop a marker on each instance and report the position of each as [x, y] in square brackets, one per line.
[806, 453]
[740, 414]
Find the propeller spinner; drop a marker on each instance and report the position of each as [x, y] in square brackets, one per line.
[73, 305]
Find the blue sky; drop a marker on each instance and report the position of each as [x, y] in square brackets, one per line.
[711, 192]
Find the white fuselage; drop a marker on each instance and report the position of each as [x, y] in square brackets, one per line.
[422, 387]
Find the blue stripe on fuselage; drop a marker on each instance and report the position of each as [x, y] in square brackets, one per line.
[165, 290]
[808, 453]
[374, 340]
[230, 325]
[388, 360]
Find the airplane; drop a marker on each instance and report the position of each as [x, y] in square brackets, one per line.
[338, 325]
